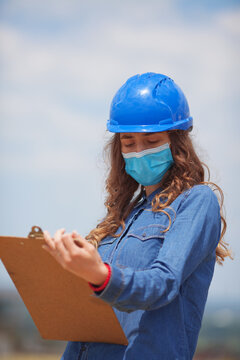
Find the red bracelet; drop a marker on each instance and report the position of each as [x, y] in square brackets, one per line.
[99, 288]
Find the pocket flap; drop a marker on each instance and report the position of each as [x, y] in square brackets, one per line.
[107, 240]
[148, 232]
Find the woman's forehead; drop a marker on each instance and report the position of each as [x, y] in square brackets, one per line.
[137, 134]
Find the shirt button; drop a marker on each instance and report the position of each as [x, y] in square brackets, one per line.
[144, 235]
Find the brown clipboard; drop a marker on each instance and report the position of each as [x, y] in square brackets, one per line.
[61, 304]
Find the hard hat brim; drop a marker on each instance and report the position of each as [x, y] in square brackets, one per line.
[178, 125]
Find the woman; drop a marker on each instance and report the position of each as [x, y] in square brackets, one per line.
[154, 252]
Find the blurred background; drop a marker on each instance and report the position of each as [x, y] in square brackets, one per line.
[61, 62]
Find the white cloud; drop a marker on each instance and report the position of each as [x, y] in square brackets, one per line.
[230, 21]
[199, 54]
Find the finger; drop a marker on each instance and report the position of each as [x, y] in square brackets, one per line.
[49, 241]
[77, 236]
[74, 236]
[60, 248]
[68, 241]
[58, 242]
[79, 240]
[58, 234]
[69, 244]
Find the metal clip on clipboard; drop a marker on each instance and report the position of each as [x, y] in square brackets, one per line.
[36, 232]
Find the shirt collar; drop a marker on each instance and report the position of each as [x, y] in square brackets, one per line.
[151, 196]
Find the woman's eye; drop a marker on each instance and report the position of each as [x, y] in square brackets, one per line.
[152, 142]
[149, 142]
[128, 145]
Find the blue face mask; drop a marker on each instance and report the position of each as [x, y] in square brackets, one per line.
[148, 166]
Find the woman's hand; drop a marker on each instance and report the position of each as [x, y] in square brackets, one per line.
[77, 255]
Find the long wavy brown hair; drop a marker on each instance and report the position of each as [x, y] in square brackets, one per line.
[121, 188]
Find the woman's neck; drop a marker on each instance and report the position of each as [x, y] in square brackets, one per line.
[150, 188]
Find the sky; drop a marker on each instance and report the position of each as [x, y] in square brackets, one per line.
[61, 62]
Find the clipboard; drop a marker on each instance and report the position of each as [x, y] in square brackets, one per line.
[61, 304]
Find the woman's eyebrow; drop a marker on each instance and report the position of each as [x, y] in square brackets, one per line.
[130, 136]
[126, 137]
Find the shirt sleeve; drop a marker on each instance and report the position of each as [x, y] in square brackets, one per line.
[193, 235]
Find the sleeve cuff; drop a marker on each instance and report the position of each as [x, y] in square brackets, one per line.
[114, 286]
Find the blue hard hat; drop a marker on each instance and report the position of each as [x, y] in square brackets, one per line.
[149, 102]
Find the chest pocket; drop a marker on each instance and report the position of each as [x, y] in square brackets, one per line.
[144, 233]
[140, 247]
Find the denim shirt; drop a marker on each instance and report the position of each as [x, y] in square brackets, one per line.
[160, 280]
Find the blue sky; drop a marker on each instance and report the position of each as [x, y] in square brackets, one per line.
[61, 63]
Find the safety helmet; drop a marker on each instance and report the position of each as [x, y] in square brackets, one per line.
[149, 102]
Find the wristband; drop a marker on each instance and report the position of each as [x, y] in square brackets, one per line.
[99, 288]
